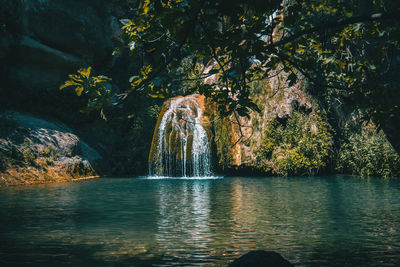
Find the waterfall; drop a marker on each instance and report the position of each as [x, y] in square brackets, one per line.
[181, 145]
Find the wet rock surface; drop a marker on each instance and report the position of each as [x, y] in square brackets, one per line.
[35, 150]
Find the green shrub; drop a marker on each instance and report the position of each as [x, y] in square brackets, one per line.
[154, 111]
[301, 145]
[368, 153]
[223, 142]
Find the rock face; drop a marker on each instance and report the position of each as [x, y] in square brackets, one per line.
[42, 41]
[261, 258]
[236, 146]
[34, 150]
[45, 40]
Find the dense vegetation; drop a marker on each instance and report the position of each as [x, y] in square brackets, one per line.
[366, 152]
[300, 145]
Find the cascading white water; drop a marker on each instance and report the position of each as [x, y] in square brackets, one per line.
[181, 145]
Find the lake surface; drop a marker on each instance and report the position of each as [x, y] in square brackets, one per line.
[318, 221]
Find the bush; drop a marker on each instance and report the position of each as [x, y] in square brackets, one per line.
[299, 145]
[368, 153]
[223, 143]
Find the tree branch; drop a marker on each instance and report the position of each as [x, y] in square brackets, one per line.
[335, 24]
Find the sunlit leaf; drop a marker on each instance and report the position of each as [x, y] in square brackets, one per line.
[79, 90]
[85, 72]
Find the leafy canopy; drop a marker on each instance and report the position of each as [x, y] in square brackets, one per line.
[224, 34]
[347, 50]
[326, 42]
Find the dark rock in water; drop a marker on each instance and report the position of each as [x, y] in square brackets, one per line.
[261, 258]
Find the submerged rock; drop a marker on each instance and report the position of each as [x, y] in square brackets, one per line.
[261, 258]
[35, 150]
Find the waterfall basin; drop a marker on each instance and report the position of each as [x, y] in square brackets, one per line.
[316, 221]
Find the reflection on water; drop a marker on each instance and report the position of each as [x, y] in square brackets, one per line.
[336, 221]
[184, 218]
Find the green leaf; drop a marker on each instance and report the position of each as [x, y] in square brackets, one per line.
[85, 72]
[292, 78]
[133, 78]
[125, 21]
[254, 107]
[79, 90]
[67, 84]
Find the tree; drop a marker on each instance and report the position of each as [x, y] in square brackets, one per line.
[347, 50]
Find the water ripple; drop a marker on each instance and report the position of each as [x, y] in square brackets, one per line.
[327, 221]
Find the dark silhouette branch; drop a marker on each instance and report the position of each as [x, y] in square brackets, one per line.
[335, 24]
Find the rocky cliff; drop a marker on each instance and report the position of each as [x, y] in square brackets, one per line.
[240, 140]
[41, 43]
[297, 134]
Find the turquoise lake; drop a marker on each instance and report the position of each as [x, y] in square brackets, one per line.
[316, 221]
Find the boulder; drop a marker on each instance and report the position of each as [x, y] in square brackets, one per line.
[261, 258]
[36, 150]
